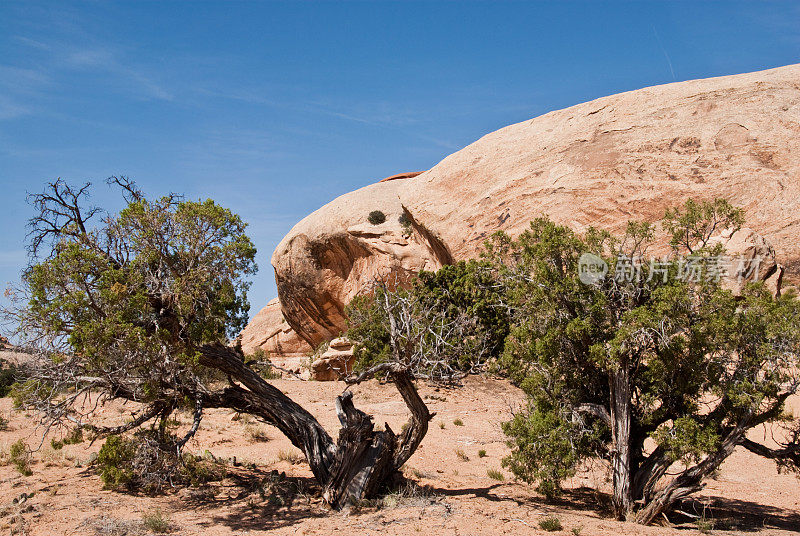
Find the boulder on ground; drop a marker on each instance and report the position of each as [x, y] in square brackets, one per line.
[335, 362]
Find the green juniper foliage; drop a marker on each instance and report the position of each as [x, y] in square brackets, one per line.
[376, 217]
[120, 304]
[140, 306]
[9, 374]
[608, 366]
[20, 457]
[146, 462]
[406, 224]
[467, 289]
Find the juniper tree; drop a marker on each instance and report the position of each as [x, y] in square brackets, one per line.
[466, 295]
[139, 306]
[660, 374]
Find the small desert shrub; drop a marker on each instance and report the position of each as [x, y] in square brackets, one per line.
[550, 524]
[270, 373]
[150, 463]
[494, 474]
[8, 376]
[73, 438]
[705, 526]
[290, 456]
[376, 217]
[258, 355]
[50, 457]
[418, 473]
[114, 456]
[462, 455]
[481, 453]
[405, 223]
[3, 423]
[408, 494]
[110, 526]
[458, 422]
[257, 434]
[156, 521]
[19, 456]
[576, 530]
[263, 365]
[441, 425]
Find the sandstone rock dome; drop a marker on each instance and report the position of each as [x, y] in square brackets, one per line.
[601, 163]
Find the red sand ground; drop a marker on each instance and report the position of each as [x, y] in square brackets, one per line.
[748, 495]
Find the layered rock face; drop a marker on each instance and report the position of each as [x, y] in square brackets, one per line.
[601, 163]
[269, 331]
[335, 253]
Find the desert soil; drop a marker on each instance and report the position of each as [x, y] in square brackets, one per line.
[459, 498]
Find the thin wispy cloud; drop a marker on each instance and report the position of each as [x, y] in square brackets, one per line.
[378, 114]
[10, 109]
[18, 86]
[664, 50]
[105, 61]
[53, 58]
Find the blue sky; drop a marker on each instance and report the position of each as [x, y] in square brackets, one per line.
[274, 109]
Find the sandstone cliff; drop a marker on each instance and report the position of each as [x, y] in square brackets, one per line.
[269, 331]
[601, 163]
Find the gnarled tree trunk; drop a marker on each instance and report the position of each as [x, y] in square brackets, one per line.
[691, 480]
[621, 432]
[360, 461]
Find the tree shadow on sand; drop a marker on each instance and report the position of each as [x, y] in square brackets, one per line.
[734, 515]
[718, 512]
[259, 500]
[579, 499]
[265, 500]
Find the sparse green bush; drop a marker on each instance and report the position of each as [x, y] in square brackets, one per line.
[462, 455]
[148, 463]
[550, 524]
[704, 525]
[73, 438]
[259, 360]
[462, 294]
[494, 474]
[114, 456]
[407, 494]
[20, 457]
[441, 425]
[9, 374]
[156, 521]
[481, 453]
[405, 223]
[458, 422]
[419, 474]
[376, 217]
